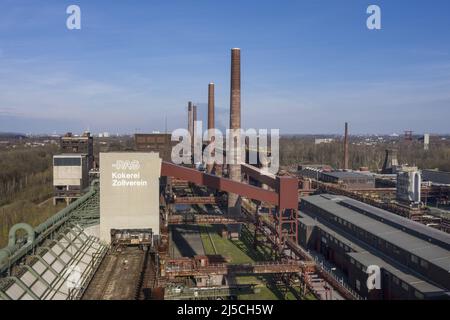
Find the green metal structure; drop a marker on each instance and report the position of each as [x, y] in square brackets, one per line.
[83, 212]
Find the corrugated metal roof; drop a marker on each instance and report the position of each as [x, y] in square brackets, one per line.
[414, 228]
[367, 259]
[439, 177]
[347, 174]
[419, 247]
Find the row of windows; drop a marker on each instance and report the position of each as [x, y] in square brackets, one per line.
[416, 260]
[358, 265]
[406, 287]
[67, 162]
[395, 280]
[336, 241]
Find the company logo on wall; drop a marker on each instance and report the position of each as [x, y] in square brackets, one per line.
[132, 165]
[126, 174]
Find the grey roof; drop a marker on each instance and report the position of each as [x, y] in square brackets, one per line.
[367, 259]
[419, 247]
[347, 174]
[307, 220]
[439, 177]
[414, 228]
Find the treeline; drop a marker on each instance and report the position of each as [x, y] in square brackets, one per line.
[25, 174]
[301, 150]
[25, 182]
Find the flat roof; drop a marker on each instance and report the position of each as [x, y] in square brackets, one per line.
[415, 228]
[435, 176]
[347, 174]
[70, 155]
[305, 219]
[425, 250]
[367, 259]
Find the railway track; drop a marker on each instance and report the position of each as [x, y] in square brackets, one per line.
[121, 276]
[148, 279]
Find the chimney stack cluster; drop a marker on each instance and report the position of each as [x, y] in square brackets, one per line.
[234, 170]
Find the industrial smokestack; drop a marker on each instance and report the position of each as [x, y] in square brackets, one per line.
[209, 167]
[194, 131]
[346, 147]
[234, 202]
[190, 119]
[211, 106]
[194, 113]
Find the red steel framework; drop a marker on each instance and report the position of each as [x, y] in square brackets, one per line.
[284, 193]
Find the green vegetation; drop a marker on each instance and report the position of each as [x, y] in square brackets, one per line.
[242, 251]
[207, 241]
[24, 211]
[296, 150]
[25, 174]
[25, 183]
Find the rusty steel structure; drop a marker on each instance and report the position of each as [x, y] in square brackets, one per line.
[283, 196]
[189, 267]
[346, 155]
[198, 200]
[234, 201]
[205, 219]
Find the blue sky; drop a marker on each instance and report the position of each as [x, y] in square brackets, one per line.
[307, 66]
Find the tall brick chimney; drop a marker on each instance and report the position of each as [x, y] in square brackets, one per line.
[346, 159]
[209, 167]
[234, 201]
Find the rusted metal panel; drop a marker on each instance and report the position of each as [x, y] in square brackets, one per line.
[288, 192]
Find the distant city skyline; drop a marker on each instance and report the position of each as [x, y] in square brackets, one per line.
[307, 66]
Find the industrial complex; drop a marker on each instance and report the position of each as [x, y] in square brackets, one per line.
[137, 226]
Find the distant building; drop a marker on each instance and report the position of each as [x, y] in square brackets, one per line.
[83, 144]
[155, 142]
[313, 171]
[103, 135]
[436, 177]
[322, 141]
[408, 186]
[426, 141]
[349, 179]
[70, 176]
